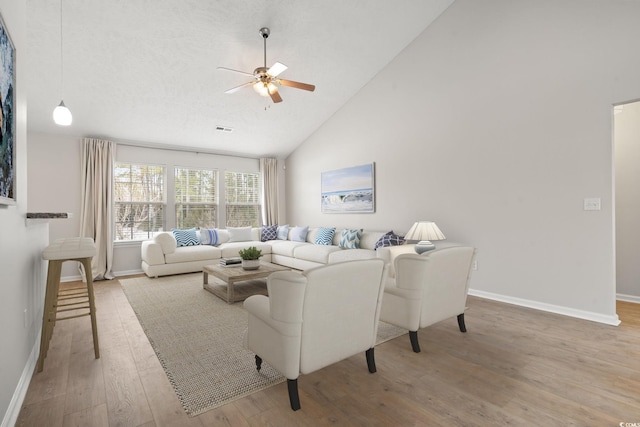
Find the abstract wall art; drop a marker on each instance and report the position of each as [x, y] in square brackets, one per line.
[7, 119]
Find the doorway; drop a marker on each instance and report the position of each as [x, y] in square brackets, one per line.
[626, 140]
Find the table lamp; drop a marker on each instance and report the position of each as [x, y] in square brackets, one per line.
[423, 232]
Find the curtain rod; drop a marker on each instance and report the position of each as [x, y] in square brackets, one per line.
[181, 149]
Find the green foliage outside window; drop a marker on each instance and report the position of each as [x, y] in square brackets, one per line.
[196, 198]
[242, 196]
[139, 195]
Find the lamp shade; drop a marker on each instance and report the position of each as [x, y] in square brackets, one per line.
[424, 230]
[62, 115]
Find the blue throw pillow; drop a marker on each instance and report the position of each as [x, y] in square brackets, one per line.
[299, 234]
[389, 239]
[283, 232]
[186, 237]
[325, 236]
[208, 236]
[269, 232]
[350, 238]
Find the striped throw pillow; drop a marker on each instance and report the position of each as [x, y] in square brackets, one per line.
[325, 236]
[208, 236]
[186, 237]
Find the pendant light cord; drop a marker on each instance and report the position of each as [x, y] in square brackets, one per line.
[61, 56]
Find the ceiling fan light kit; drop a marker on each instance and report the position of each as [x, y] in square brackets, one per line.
[266, 80]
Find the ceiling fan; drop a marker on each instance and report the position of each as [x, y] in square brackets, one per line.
[265, 80]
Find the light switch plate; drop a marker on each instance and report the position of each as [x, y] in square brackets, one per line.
[592, 204]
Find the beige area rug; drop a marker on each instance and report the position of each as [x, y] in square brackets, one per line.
[198, 340]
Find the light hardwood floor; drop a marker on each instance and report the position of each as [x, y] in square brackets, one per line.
[514, 366]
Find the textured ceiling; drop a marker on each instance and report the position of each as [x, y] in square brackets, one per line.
[145, 70]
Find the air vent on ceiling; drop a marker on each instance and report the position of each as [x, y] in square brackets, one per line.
[223, 129]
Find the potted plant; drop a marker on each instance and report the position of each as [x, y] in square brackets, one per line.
[250, 258]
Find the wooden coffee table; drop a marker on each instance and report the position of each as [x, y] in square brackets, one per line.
[239, 284]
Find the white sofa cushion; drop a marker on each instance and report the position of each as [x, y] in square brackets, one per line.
[223, 235]
[239, 234]
[193, 253]
[285, 247]
[351, 255]
[315, 253]
[370, 238]
[230, 249]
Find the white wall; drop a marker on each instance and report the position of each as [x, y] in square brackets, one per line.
[627, 173]
[22, 273]
[496, 123]
[54, 186]
[54, 177]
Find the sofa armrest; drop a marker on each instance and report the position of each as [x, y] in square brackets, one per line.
[152, 253]
[389, 253]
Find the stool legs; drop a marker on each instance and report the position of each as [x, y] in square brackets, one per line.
[52, 306]
[49, 311]
[92, 305]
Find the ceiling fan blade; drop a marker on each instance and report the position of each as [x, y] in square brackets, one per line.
[235, 89]
[297, 85]
[276, 69]
[275, 95]
[235, 71]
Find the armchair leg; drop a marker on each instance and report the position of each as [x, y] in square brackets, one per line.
[294, 398]
[258, 362]
[461, 324]
[415, 345]
[371, 360]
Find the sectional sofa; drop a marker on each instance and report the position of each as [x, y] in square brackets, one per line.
[162, 256]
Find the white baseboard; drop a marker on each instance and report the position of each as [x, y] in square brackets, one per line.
[127, 273]
[115, 273]
[13, 411]
[74, 278]
[566, 311]
[628, 298]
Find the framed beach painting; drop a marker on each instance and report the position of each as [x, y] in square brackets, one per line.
[349, 190]
[7, 120]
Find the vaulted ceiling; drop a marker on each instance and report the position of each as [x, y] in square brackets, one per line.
[145, 70]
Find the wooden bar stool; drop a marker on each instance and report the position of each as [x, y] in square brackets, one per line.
[78, 300]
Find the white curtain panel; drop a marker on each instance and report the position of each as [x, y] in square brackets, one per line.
[269, 170]
[96, 215]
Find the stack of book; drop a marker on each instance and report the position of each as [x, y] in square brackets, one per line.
[226, 262]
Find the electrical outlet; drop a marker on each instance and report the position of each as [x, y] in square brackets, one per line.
[475, 264]
[592, 204]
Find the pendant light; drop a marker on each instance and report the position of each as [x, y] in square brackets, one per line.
[61, 114]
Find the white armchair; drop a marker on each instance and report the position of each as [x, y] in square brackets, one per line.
[428, 288]
[315, 318]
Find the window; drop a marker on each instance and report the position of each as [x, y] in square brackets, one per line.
[139, 195]
[242, 199]
[196, 198]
